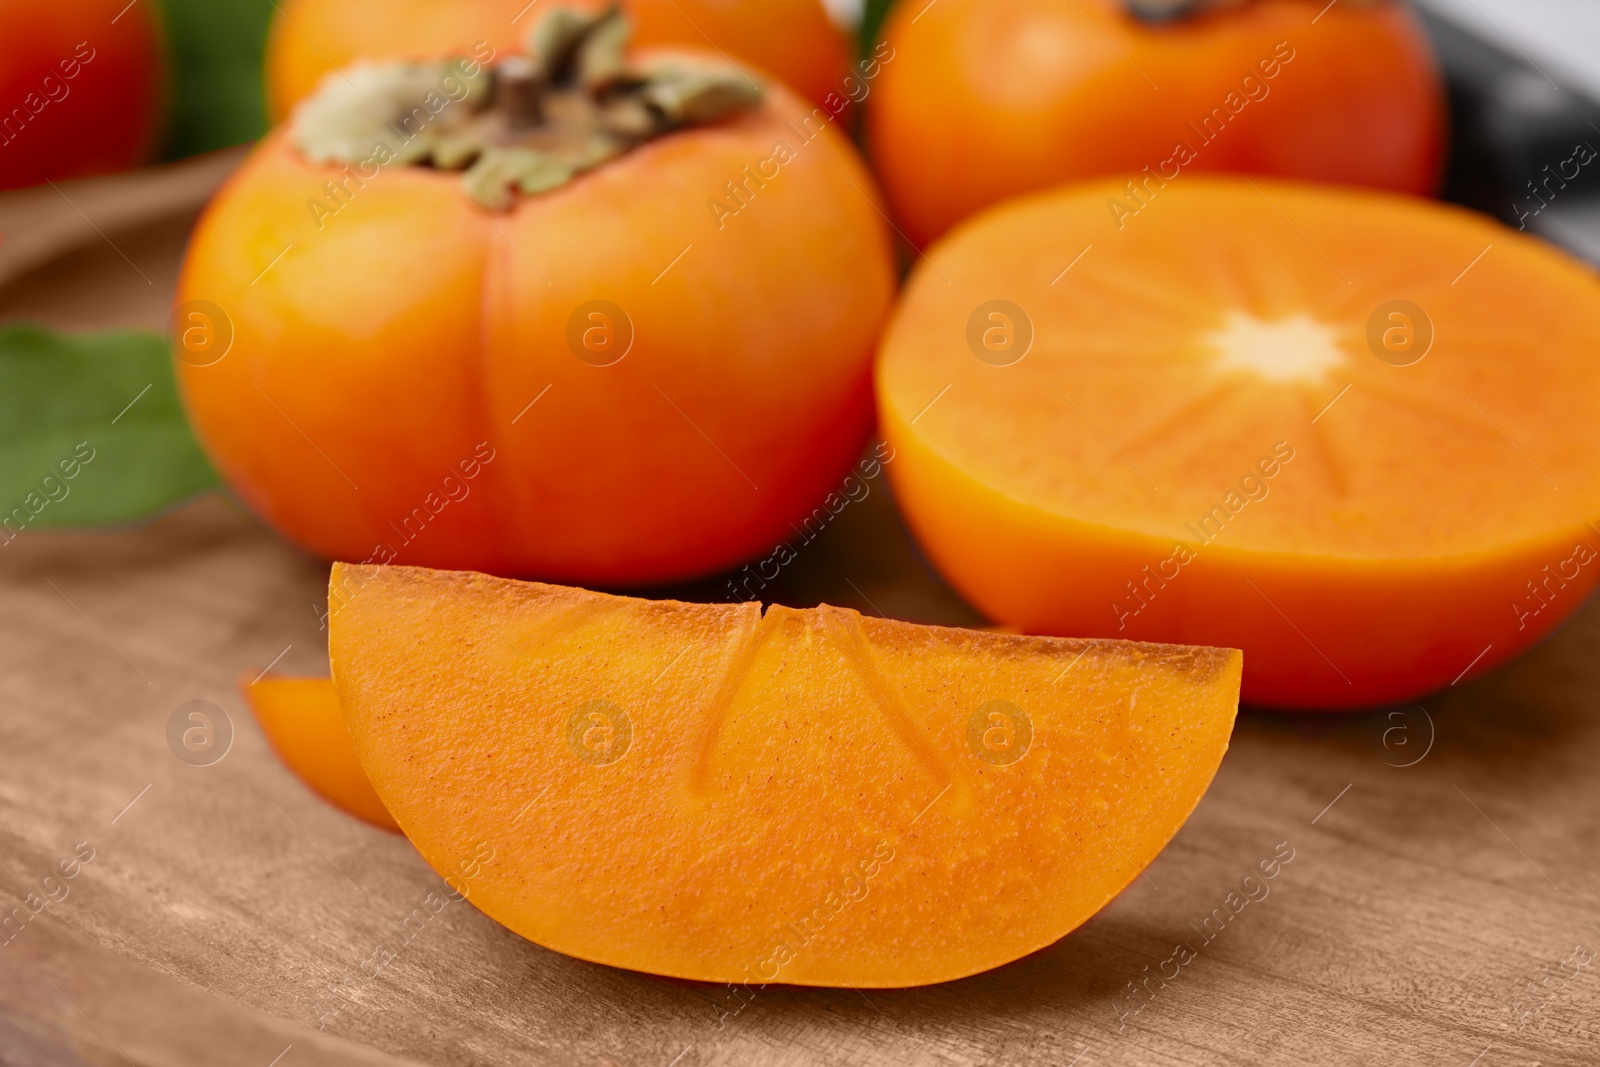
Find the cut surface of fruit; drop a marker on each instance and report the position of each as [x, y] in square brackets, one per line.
[1347, 432]
[305, 726]
[804, 797]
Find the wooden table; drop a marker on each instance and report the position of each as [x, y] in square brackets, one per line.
[1445, 857]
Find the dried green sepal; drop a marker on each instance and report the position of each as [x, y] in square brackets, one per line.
[499, 171]
[602, 57]
[691, 97]
[531, 124]
[488, 182]
[630, 117]
[406, 108]
[454, 153]
[554, 42]
[541, 175]
[601, 148]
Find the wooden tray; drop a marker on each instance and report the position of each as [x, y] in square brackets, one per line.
[1445, 857]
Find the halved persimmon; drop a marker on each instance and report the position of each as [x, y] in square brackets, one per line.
[793, 40]
[1348, 432]
[305, 726]
[807, 797]
[984, 101]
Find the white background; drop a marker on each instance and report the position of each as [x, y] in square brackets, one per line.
[1562, 37]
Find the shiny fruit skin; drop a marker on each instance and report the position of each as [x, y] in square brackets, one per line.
[984, 101]
[404, 380]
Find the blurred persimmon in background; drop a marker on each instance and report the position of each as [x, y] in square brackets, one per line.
[794, 40]
[82, 88]
[985, 101]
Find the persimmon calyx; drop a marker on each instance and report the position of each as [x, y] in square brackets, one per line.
[1172, 10]
[568, 104]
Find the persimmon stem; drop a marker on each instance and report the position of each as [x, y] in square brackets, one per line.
[568, 104]
[519, 92]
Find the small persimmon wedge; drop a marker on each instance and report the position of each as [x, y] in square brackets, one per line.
[798, 796]
[305, 726]
[1350, 433]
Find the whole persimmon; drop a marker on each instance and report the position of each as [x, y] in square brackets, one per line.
[82, 87]
[794, 40]
[629, 343]
[986, 101]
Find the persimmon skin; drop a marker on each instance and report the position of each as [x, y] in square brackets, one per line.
[1358, 643]
[385, 394]
[791, 39]
[106, 116]
[305, 726]
[985, 101]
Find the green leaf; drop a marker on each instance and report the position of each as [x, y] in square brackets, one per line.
[91, 430]
[217, 48]
[872, 18]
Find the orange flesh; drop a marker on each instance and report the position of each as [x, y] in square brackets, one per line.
[796, 797]
[1223, 325]
[305, 725]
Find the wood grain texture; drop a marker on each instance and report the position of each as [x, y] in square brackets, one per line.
[76, 253]
[224, 906]
[1407, 925]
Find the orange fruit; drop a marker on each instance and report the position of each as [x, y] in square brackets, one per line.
[793, 40]
[1347, 432]
[82, 89]
[614, 381]
[983, 101]
[305, 726]
[808, 797]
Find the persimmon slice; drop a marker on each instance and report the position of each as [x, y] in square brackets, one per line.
[809, 797]
[305, 726]
[1348, 432]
